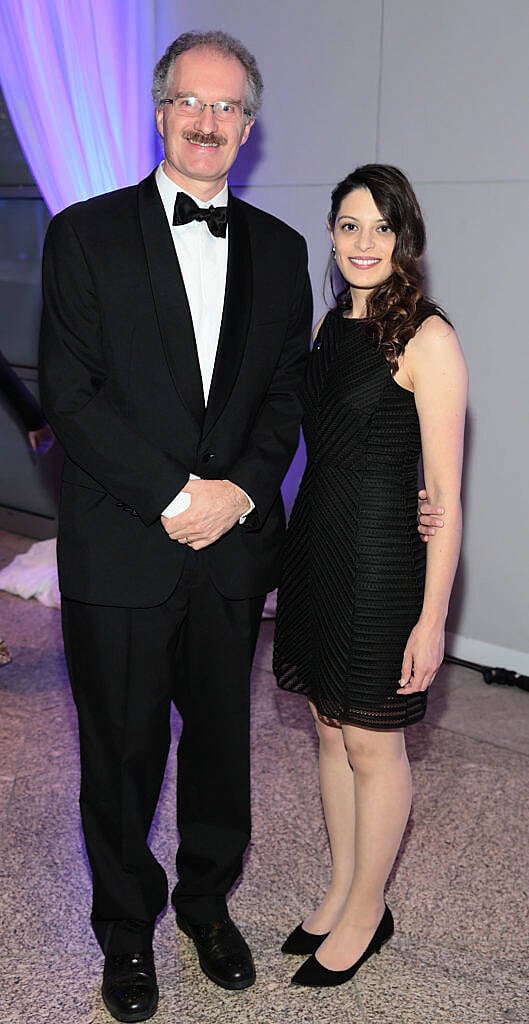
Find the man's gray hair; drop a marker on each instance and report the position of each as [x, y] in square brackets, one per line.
[223, 44]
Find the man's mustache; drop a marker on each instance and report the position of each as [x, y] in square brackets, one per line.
[211, 138]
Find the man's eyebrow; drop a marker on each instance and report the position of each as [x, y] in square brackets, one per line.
[190, 92]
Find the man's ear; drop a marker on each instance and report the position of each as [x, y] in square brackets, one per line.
[158, 116]
[246, 131]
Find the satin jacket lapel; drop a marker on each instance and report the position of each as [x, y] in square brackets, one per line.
[172, 307]
[235, 317]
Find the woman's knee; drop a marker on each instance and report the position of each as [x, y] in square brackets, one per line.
[368, 749]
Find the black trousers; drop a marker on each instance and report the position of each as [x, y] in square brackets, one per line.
[126, 665]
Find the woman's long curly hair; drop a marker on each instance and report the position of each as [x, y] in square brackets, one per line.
[396, 307]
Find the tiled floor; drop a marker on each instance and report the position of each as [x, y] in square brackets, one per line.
[458, 892]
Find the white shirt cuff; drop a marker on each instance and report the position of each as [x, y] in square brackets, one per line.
[183, 501]
[180, 503]
[243, 518]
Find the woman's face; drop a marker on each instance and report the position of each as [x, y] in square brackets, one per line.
[363, 240]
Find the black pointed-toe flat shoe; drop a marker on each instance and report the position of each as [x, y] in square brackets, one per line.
[129, 989]
[223, 953]
[315, 975]
[302, 943]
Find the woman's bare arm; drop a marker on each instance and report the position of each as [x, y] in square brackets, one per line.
[436, 368]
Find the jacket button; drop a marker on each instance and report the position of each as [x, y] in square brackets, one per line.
[208, 456]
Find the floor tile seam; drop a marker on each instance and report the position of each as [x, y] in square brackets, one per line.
[478, 739]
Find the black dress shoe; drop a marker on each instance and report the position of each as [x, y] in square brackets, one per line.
[315, 975]
[302, 943]
[223, 954]
[129, 987]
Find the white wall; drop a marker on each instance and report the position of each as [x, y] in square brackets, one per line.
[440, 90]
[455, 117]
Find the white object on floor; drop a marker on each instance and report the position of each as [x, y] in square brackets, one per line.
[34, 574]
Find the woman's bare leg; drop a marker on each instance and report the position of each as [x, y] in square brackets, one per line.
[382, 786]
[337, 793]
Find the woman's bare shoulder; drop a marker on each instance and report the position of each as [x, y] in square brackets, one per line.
[435, 338]
[434, 330]
[435, 352]
[316, 328]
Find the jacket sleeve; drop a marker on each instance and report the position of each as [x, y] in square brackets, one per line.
[274, 438]
[77, 392]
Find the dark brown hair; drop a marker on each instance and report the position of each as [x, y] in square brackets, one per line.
[397, 307]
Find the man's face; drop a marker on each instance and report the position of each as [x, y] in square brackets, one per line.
[199, 149]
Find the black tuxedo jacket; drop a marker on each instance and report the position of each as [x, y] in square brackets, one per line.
[121, 388]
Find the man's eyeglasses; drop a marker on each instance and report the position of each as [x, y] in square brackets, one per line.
[223, 110]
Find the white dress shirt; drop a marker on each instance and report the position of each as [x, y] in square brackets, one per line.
[203, 260]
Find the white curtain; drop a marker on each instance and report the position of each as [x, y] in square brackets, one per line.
[76, 78]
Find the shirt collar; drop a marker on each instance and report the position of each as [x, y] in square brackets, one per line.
[168, 189]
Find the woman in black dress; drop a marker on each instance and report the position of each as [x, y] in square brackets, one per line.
[362, 605]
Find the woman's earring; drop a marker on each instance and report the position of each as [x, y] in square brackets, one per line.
[333, 253]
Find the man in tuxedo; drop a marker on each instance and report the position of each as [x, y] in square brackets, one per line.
[175, 329]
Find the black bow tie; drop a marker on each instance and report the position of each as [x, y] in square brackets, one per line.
[186, 210]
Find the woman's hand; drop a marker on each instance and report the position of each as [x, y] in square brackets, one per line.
[428, 522]
[41, 440]
[423, 656]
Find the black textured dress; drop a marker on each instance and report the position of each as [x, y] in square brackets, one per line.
[353, 576]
